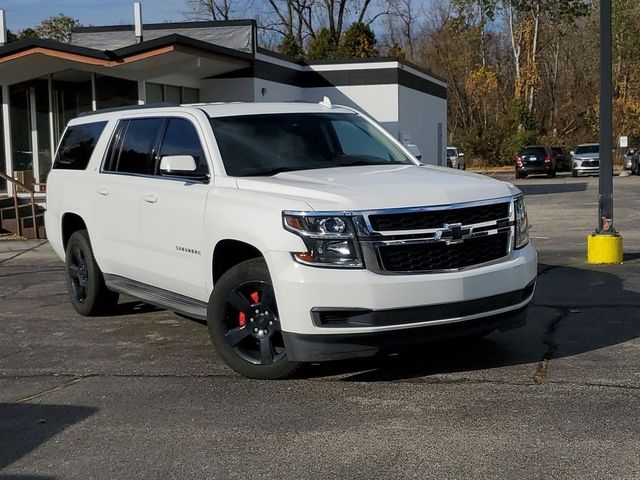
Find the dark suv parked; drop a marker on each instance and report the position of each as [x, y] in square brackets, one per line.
[535, 160]
[562, 161]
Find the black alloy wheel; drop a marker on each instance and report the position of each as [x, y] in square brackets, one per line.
[251, 323]
[78, 274]
[87, 291]
[244, 323]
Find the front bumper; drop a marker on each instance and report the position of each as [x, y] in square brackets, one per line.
[587, 170]
[305, 292]
[320, 348]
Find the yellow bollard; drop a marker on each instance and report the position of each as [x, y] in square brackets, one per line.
[604, 249]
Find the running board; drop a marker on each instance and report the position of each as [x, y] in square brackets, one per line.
[157, 296]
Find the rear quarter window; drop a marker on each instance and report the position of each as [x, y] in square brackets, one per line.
[77, 146]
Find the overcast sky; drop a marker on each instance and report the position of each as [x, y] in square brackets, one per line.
[27, 13]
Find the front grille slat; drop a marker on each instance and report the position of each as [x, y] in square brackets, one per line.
[437, 218]
[440, 256]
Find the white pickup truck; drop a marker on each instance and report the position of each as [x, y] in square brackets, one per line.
[299, 232]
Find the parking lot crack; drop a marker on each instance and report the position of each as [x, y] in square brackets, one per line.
[23, 252]
[47, 391]
[548, 340]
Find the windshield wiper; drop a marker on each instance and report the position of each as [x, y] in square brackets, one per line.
[362, 160]
[269, 172]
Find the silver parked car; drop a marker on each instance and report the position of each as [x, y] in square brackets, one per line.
[628, 158]
[586, 159]
[455, 158]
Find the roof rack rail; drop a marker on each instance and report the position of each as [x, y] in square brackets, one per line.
[129, 107]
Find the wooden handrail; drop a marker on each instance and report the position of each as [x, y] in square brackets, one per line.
[19, 184]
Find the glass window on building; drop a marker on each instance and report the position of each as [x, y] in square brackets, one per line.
[30, 131]
[158, 93]
[115, 92]
[71, 97]
[21, 133]
[154, 93]
[3, 164]
[190, 95]
[172, 94]
[43, 128]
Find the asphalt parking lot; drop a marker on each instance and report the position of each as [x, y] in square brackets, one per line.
[142, 394]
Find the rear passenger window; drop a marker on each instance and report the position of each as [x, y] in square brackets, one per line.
[181, 138]
[136, 155]
[77, 146]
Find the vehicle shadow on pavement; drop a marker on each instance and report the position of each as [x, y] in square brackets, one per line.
[548, 188]
[575, 311]
[25, 426]
[134, 308]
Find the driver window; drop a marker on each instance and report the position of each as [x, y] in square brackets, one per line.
[181, 138]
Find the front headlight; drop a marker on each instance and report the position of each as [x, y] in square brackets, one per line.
[522, 223]
[330, 240]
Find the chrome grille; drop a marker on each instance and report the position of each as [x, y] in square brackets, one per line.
[440, 256]
[409, 241]
[438, 218]
[591, 163]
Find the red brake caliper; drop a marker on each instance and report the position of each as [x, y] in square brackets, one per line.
[242, 317]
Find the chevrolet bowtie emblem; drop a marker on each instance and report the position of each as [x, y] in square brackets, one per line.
[452, 234]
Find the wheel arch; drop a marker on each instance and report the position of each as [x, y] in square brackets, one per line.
[71, 223]
[230, 252]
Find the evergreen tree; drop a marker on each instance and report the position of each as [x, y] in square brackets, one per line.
[291, 48]
[358, 41]
[323, 46]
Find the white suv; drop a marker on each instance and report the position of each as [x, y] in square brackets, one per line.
[299, 232]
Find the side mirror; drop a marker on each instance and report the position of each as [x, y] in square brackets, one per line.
[178, 165]
[414, 150]
[572, 153]
[460, 154]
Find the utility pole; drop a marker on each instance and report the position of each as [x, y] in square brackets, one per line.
[605, 245]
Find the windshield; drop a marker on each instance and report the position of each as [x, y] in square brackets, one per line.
[582, 149]
[253, 145]
[451, 152]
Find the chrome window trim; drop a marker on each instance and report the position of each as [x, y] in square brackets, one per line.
[117, 135]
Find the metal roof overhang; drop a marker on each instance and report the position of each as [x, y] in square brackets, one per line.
[170, 55]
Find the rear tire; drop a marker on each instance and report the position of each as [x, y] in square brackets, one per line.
[87, 291]
[244, 324]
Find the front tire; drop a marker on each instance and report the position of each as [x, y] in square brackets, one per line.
[244, 324]
[87, 291]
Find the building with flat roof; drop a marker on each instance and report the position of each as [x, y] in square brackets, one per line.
[45, 83]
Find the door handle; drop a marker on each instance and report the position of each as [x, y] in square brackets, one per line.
[150, 198]
[103, 191]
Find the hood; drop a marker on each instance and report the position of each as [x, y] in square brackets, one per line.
[586, 156]
[376, 187]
